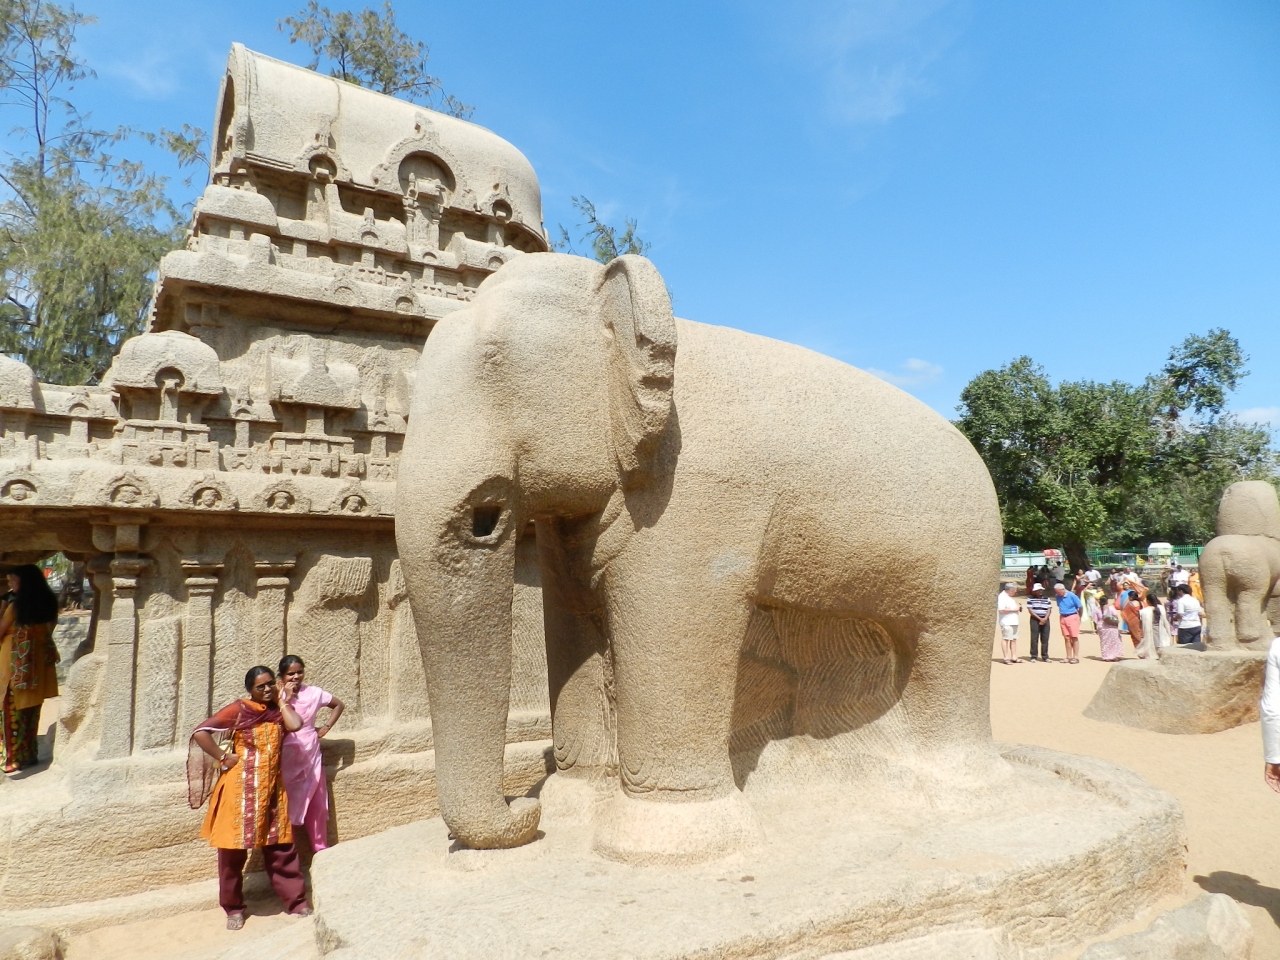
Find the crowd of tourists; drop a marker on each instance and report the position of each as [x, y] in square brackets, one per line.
[1120, 606]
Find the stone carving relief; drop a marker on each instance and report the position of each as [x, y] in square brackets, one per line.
[19, 489]
[208, 493]
[324, 621]
[126, 490]
[283, 496]
[353, 500]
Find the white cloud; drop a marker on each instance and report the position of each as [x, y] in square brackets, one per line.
[875, 55]
[912, 372]
[1263, 416]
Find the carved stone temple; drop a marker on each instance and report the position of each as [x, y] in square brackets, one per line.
[230, 482]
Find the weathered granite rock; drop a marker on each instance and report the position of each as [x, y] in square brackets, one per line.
[72, 631]
[28, 943]
[727, 610]
[1185, 691]
[1066, 848]
[944, 945]
[1211, 927]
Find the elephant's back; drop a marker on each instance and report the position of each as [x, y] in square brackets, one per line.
[851, 467]
[808, 418]
[1241, 557]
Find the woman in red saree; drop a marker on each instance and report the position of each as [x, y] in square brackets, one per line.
[234, 761]
[28, 658]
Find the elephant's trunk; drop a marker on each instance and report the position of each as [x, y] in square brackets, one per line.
[462, 602]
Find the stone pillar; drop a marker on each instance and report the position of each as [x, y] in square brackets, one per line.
[122, 651]
[197, 644]
[271, 609]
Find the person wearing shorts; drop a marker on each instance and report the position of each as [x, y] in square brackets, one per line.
[1069, 607]
[1007, 610]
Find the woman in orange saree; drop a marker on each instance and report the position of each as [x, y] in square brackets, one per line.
[28, 658]
[240, 746]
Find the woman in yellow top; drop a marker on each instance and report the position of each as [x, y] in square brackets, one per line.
[28, 658]
[248, 808]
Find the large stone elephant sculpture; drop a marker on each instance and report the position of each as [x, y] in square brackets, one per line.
[760, 566]
[1240, 568]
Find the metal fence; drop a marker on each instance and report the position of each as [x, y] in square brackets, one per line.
[1137, 556]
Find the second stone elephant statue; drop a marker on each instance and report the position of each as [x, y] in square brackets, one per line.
[1240, 568]
[760, 566]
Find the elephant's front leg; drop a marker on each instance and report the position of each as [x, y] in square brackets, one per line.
[577, 673]
[676, 629]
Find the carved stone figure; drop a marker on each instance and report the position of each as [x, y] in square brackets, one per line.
[19, 491]
[131, 491]
[737, 548]
[1240, 569]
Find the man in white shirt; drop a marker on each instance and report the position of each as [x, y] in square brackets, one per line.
[1188, 610]
[1179, 577]
[1269, 714]
[1007, 610]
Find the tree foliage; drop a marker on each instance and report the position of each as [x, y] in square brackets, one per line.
[81, 229]
[1115, 463]
[369, 50]
[607, 242]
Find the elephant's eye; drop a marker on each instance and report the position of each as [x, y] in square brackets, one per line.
[484, 520]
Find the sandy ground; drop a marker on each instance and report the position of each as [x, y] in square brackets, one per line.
[1233, 820]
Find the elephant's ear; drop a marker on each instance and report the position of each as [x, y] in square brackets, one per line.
[641, 334]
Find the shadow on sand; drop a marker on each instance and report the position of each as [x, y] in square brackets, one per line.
[1243, 889]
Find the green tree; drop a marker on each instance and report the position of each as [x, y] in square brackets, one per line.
[369, 50]
[81, 230]
[1094, 463]
[607, 242]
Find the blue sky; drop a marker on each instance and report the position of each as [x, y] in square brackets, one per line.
[925, 188]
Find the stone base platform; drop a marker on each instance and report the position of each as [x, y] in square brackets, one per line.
[1188, 690]
[116, 828]
[1062, 849]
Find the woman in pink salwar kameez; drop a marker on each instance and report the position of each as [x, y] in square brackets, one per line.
[300, 757]
[1107, 622]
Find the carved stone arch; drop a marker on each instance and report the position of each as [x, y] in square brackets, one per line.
[232, 126]
[425, 140]
[125, 490]
[19, 488]
[321, 155]
[424, 164]
[283, 496]
[197, 495]
[354, 500]
[498, 204]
